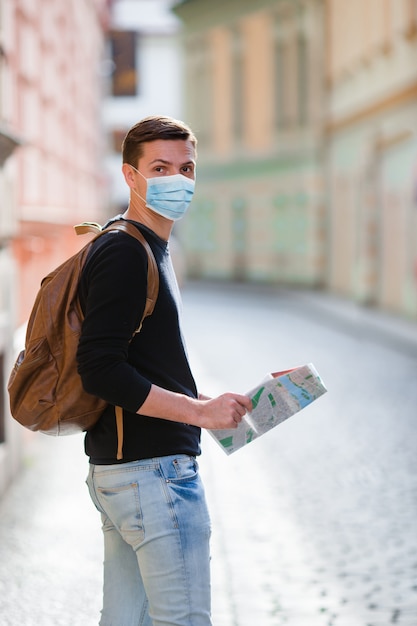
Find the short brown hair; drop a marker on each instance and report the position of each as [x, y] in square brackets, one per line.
[150, 129]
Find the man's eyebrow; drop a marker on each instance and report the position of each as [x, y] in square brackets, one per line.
[190, 162]
[160, 161]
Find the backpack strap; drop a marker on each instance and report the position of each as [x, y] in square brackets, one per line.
[119, 427]
[151, 296]
[88, 227]
[153, 273]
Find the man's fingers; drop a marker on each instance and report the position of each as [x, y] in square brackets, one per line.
[240, 408]
[244, 404]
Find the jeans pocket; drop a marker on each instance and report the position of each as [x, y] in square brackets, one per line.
[121, 504]
[180, 469]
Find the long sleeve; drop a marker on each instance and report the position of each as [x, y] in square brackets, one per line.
[113, 293]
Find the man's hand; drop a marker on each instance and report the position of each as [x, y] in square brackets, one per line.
[225, 411]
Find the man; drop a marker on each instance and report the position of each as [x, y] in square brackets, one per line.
[155, 521]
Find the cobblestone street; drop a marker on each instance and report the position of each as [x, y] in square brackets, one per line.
[316, 519]
[314, 524]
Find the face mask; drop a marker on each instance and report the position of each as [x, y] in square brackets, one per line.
[168, 196]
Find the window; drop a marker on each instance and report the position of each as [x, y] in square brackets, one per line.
[302, 73]
[279, 84]
[123, 55]
[117, 140]
[411, 8]
[201, 98]
[237, 77]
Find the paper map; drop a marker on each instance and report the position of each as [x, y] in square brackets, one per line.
[274, 400]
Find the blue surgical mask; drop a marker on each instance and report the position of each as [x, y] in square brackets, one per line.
[168, 196]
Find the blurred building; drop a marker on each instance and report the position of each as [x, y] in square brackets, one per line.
[143, 70]
[255, 95]
[371, 151]
[305, 112]
[143, 67]
[51, 147]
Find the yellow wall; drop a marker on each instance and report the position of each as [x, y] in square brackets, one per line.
[308, 168]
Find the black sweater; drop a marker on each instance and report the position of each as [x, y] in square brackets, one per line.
[120, 369]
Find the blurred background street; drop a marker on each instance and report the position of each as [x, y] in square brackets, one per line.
[313, 524]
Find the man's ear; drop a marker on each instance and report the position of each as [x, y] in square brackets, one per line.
[128, 174]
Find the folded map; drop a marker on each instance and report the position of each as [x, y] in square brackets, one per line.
[274, 400]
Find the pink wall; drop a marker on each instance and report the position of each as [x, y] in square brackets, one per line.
[52, 100]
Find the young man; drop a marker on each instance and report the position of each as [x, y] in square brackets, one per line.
[155, 521]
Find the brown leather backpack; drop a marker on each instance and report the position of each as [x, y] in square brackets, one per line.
[45, 389]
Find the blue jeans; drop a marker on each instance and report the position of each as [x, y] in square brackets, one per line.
[156, 542]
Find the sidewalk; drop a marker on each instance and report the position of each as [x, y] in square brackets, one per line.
[376, 325]
[50, 540]
[330, 309]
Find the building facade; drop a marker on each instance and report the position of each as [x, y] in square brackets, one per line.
[258, 212]
[50, 172]
[306, 115]
[371, 156]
